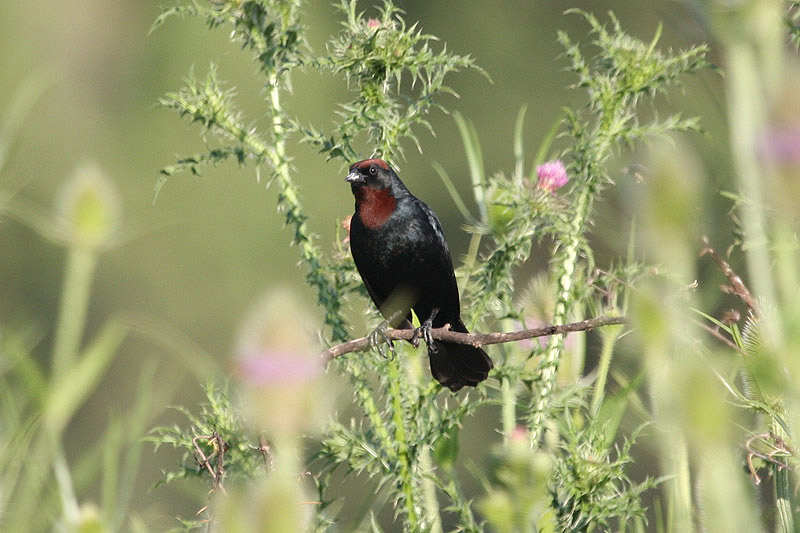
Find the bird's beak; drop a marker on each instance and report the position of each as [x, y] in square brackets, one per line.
[354, 177]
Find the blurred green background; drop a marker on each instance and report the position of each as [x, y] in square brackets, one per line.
[199, 257]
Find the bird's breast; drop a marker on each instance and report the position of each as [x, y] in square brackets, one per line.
[375, 206]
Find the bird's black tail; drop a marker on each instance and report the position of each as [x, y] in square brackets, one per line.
[457, 365]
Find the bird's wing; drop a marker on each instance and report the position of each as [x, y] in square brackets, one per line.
[433, 220]
[446, 262]
[379, 300]
[376, 298]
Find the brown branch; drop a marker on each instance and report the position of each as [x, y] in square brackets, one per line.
[220, 447]
[779, 449]
[714, 332]
[475, 339]
[266, 453]
[736, 286]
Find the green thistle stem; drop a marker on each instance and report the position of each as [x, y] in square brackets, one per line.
[552, 355]
[367, 402]
[752, 63]
[509, 388]
[588, 168]
[429, 499]
[677, 454]
[747, 124]
[405, 474]
[74, 304]
[289, 200]
[509, 412]
[783, 488]
[69, 503]
[461, 506]
[81, 262]
[610, 335]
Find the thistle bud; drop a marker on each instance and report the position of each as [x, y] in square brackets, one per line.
[88, 208]
[90, 520]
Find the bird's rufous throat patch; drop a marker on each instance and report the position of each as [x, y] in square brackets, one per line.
[375, 206]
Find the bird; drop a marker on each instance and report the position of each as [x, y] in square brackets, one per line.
[400, 251]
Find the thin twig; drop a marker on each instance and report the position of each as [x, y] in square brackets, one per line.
[200, 457]
[736, 286]
[220, 447]
[779, 449]
[475, 339]
[714, 332]
[265, 450]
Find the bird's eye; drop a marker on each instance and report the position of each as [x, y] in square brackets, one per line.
[373, 170]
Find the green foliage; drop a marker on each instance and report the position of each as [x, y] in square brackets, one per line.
[403, 429]
[590, 487]
[621, 72]
[719, 397]
[793, 22]
[43, 486]
[563, 462]
[217, 422]
[517, 494]
[381, 57]
[397, 78]
[208, 103]
[518, 213]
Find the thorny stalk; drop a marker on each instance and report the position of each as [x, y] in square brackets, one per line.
[205, 461]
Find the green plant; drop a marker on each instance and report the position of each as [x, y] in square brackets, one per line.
[573, 438]
[44, 385]
[42, 485]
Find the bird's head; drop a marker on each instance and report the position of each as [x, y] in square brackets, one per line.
[372, 173]
[377, 189]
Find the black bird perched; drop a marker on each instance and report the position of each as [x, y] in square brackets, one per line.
[400, 251]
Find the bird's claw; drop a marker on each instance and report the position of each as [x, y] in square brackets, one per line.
[424, 331]
[378, 339]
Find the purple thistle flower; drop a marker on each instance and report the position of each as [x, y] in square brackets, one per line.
[278, 368]
[781, 145]
[552, 175]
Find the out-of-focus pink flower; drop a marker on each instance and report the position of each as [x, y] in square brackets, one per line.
[520, 434]
[782, 145]
[552, 175]
[533, 323]
[373, 23]
[278, 367]
[274, 368]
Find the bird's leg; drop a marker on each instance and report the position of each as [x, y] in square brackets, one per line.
[378, 338]
[424, 331]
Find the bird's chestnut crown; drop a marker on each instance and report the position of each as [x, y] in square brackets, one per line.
[374, 173]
